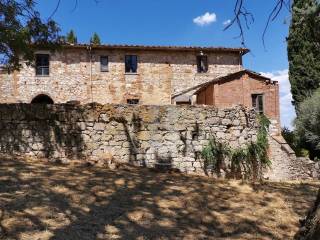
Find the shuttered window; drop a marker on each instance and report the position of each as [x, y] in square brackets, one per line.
[104, 64]
[42, 64]
[257, 103]
[202, 64]
[131, 63]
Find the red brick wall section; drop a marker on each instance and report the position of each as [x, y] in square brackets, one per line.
[230, 93]
[270, 93]
[206, 96]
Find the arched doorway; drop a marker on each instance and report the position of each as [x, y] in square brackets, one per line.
[42, 99]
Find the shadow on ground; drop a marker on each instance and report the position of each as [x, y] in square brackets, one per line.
[40, 200]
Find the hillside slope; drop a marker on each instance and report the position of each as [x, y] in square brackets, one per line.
[40, 200]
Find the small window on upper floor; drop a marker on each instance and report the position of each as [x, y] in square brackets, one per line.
[131, 63]
[104, 64]
[202, 64]
[133, 101]
[42, 64]
[257, 103]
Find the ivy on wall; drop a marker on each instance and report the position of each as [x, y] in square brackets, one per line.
[246, 162]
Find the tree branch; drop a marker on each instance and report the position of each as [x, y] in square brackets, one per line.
[243, 17]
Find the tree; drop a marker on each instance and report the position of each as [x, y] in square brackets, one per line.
[304, 49]
[71, 37]
[308, 122]
[95, 39]
[295, 142]
[21, 30]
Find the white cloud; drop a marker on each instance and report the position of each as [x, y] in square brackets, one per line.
[227, 22]
[205, 19]
[287, 111]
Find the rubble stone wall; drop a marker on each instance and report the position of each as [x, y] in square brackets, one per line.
[152, 136]
[285, 164]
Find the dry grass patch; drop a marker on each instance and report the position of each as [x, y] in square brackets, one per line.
[46, 201]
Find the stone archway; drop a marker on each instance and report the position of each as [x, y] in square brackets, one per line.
[42, 99]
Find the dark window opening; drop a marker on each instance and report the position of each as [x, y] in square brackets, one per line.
[183, 103]
[133, 101]
[104, 64]
[42, 99]
[202, 64]
[257, 103]
[131, 63]
[42, 64]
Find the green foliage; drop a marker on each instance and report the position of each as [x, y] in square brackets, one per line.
[304, 49]
[239, 160]
[295, 142]
[304, 153]
[71, 37]
[252, 158]
[291, 138]
[308, 122]
[262, 145]
[249, 159]
[21, 30]
[95, 39]
[214, 154]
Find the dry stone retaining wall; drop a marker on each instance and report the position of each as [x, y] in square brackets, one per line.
[285, 164]
[170, 136]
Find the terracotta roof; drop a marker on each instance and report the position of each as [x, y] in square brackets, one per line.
[150, 47]
[234, 75]
[226, 77]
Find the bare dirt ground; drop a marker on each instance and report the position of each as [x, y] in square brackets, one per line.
[40, 200]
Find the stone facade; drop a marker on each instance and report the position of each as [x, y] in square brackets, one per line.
[151, 136]
[75, 74]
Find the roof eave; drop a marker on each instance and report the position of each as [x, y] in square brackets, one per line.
[230, 76]
[242, 51]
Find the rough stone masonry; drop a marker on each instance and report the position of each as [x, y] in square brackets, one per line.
[151, 136]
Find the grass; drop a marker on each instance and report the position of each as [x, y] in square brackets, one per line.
[40, 200]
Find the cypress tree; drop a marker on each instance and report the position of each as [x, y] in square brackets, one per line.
[304, 49]
[95, 39]
[71, 37]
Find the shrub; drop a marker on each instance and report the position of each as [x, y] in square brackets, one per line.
[214, 154]
[294, 142]
[308, 122]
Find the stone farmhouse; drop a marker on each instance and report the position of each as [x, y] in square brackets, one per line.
[146, 75]
[137, 119]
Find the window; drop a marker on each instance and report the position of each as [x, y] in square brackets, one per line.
[257, 103]
[202, 63]
[104, 64]
[183, 103]
[131, 63]
[133, 101]
[42, 64]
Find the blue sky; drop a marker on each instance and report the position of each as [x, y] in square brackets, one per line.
[172, 22]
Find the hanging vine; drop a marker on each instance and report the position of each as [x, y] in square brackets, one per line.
[247, 161]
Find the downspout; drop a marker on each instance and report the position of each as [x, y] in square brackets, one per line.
[242, 81]
[240, 61]
[90, 56]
